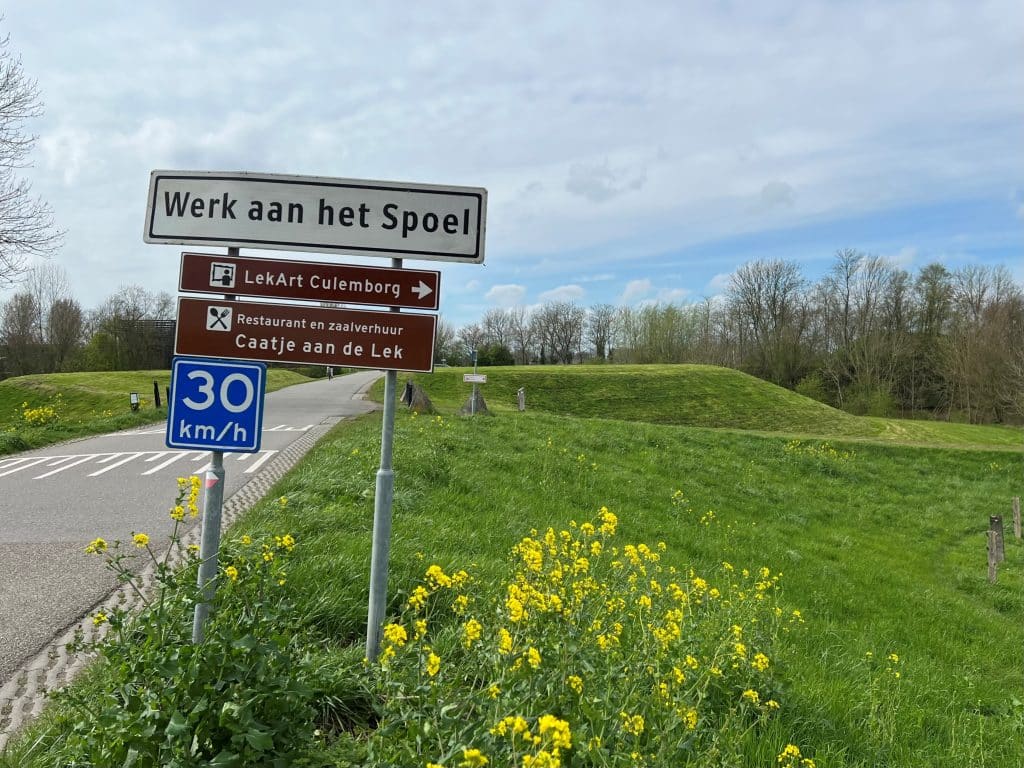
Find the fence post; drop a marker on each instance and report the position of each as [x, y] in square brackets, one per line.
[993, 563]
[1016, 517]
[995, 527]
[521, 394]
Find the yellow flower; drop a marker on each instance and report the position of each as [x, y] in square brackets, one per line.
[471, 632]
[231, 572]
[437, 578]
[516, 612]
[283, 502]
[494, 691]
[690, 719]
[268, 556]
[99, 618]
[421, 629]
[460, 605]
[418, 598]
[395, 634]
[608, 522]
[473, 758]
[633, 724]
[433, 664]
[96, 547]
[247, 540]
[533, 657]
[178, 513]
[790, 751]
[504, 642]
[751, 695]
[760, 662]
[434, 765]
[557, 730]
[141, 540]
[576, 683]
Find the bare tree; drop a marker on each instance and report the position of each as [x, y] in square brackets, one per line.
[26, 223]
[521, 330]
[599, 328]
[446, 343]
[559, 327]
[497, 327]
[767, 299]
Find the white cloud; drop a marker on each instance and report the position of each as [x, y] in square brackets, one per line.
[904, 258]
[776, 194]
[506, 295]
[635, 289]
[563, 293]
[719, 282]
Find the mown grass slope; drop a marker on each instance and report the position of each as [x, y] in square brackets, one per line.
[693, 395]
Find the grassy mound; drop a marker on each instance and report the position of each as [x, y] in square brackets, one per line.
[693, 395]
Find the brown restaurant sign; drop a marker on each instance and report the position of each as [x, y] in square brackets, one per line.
[305, 335]
[309, 281]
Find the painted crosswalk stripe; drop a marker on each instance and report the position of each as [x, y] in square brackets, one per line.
[259, 462]
[168, 462]
[116, 464]
[28, 463]
[69, 465]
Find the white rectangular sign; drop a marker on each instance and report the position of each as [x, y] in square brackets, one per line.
[474, 378]
[311, 213]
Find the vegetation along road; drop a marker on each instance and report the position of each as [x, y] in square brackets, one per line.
[54, 501]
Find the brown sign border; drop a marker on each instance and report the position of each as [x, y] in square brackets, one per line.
[295, 266]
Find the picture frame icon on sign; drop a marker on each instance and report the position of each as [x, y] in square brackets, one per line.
[222, 275]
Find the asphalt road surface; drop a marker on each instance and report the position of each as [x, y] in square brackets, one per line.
[54, 501]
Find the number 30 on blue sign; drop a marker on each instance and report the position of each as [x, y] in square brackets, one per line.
[216, 405]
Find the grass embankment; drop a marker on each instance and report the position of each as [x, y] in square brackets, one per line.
[694, 395]
[43, 409]
[882, 548]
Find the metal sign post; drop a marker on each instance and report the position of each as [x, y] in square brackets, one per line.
[382, 501]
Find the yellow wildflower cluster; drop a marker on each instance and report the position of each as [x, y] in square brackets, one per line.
[575, 607]
[822, 451]
[96, 547]
[791, 757]
[188, 498]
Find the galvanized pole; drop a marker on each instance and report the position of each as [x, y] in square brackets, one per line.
[385, 491]
[209, 544]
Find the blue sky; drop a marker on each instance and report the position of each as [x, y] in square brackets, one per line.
[632, 152]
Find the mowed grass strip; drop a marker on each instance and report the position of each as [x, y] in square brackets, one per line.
[882, 550]
[89, 403]
[694, 395]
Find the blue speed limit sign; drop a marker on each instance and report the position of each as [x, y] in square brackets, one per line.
[216, 405]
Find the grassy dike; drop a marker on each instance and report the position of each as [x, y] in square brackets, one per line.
[43, 409]
[881, 547]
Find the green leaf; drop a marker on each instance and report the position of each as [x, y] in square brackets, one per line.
[177, 726]
[260, 740]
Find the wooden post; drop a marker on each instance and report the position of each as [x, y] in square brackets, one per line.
[1016, 517]
[993, 564]
[995, 529]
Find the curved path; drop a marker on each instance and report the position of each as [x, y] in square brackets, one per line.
[54, 501]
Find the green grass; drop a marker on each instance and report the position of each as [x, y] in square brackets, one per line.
[89, 403]
[882, 546]
[694, 395]
[883, 551]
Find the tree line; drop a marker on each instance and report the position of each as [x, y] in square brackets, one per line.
[43, 328]
[868, 337]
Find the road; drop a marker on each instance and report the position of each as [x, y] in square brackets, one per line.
[54, 501]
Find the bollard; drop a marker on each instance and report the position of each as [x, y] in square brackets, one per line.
[156, 394]
[1016, 517]
[521, 394]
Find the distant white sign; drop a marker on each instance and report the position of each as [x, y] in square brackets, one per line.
[474, 378]
[312, 213]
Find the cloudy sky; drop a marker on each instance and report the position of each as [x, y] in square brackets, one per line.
[632, 152]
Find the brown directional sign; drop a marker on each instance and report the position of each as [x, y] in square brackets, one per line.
[309, 281]
[305, 335]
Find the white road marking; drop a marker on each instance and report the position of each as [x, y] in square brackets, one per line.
[81, 460]
[260, 461]
[28, 463]
[116, 464]
[160, 466]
